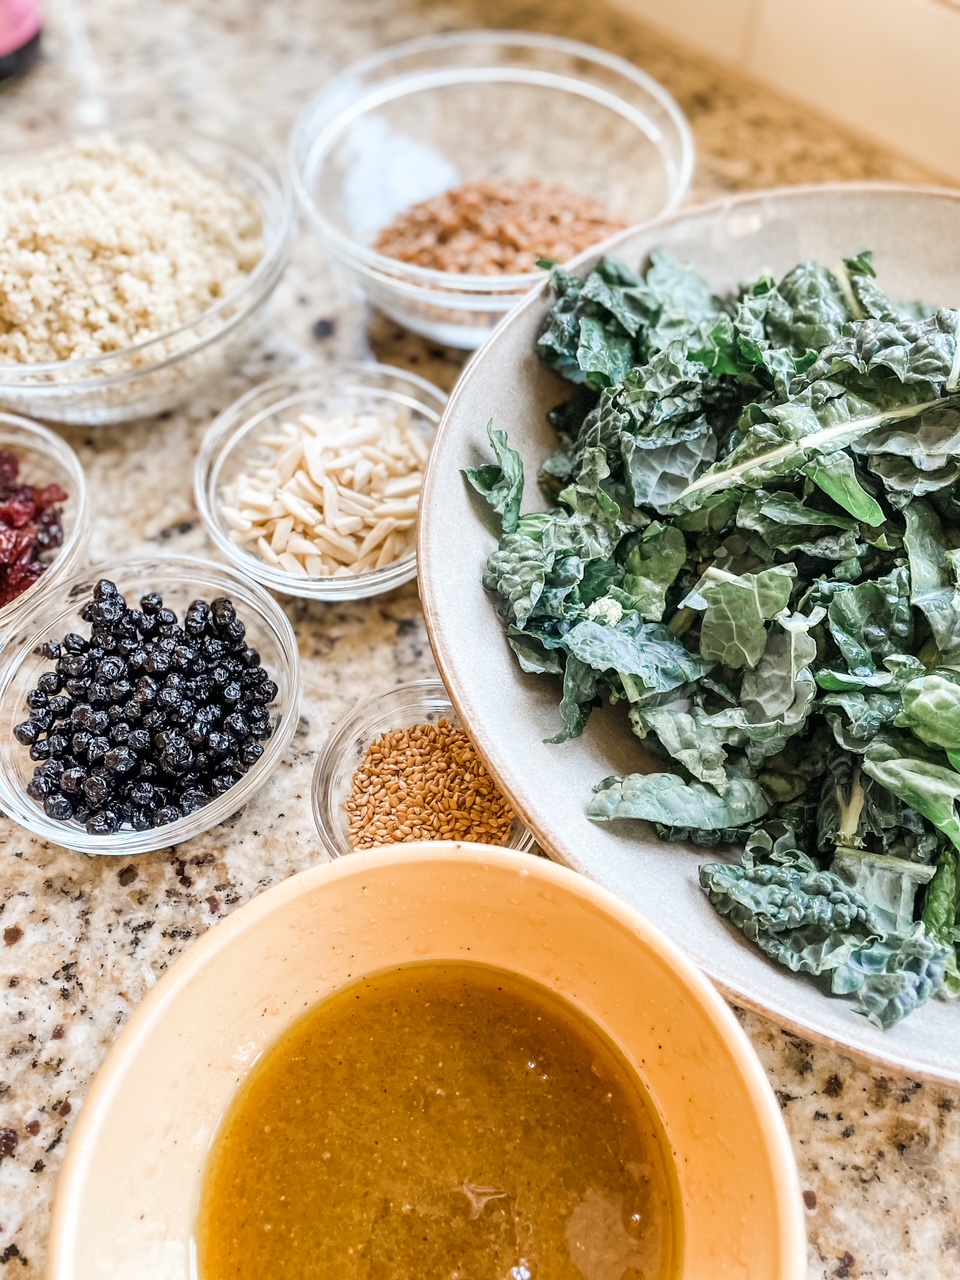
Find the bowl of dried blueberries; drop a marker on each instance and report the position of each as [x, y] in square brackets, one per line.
[144, 705]
[44, 522]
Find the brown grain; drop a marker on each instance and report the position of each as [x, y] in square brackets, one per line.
[497, 228]
[425, 783]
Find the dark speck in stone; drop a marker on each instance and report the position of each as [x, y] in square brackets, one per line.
[213, 903]
[33, 1128]
[846, 1261]
[810, 1199]
[58, 1032]
[833, 1087]
[12, 934]
[848, 1131]
[11, 1252]
[127, 875]
[820, 1115]
[9, 1140]
[177, 529]
[38, 1167]
[324, 329]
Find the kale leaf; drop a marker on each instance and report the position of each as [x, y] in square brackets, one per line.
[753, 542]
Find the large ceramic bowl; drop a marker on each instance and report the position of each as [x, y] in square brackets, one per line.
[915, 234]
[127, 1198]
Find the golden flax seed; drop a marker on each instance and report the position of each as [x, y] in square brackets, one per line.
[433, 767]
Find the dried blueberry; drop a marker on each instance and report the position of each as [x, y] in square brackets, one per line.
[97, 749]
[105, 590]
[37, 699]
[80, 741]
[222, 783]
[237, 725]
[96, 790]
[59, 744]
[251, 753]
[140, 820]
[40, 750]
[110, 669]
[165, 815]
[60, 706]
[119, 733]
[39, 787]
[104, 823]
[72, 780]
[50, 683]
[58, 807]
[27, 733]
[191, 800]
[50, 650]
[139, 740]
[158, 663]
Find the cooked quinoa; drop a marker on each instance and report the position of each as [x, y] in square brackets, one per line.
[105, 244]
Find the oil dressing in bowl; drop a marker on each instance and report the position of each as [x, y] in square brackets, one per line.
[441, 1120]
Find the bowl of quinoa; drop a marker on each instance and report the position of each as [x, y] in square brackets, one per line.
[134, 263]
[441, 171]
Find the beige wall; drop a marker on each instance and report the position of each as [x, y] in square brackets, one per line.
[888, 68]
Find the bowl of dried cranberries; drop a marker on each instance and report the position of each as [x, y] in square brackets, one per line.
[143, 704]
[44, 521]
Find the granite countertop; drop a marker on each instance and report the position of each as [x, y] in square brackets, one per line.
[84, 939]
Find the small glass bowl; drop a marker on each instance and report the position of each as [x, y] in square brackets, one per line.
[232, 440]
[46, 459]
[179, 580]
[162, 372]
[420, 702]
[423, 117]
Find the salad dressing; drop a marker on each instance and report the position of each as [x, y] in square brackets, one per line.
[441, 1120]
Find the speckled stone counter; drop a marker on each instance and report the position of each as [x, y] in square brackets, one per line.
[84, 939]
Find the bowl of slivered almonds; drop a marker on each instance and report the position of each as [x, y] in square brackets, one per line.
[310, 483]
[442, 171]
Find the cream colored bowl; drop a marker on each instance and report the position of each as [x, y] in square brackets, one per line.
[130, 1185]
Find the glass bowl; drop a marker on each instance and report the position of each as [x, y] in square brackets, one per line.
[232, 440]
[420, 702]
[162, 372]
[46, 459]
[421, 117]
[179, 580]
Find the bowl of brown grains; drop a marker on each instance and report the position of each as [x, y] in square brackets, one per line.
[400, 768]
[310, 483]
[441, 171]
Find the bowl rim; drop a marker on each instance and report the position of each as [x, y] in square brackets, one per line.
[128, 843]
[889, 1055]
[431, 689]
[251, 153]
[388, 269]
[232, 422]
[67, 555]
[189, 967]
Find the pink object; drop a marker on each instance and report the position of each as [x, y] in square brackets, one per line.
[19, 23]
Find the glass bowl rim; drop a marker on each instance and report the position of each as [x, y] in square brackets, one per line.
[222, 434]
[387, 268]
[253, 154]
[27, 814]
[423, 692]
